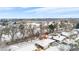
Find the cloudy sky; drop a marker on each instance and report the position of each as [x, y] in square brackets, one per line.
[38, 12]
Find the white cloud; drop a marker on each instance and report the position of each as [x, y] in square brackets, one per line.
[40, 3]
[6, 8]
[41, 12]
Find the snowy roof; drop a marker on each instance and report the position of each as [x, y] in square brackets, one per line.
[69, 41]
[75, 32]
[66, 33]
[60, 38]
[76, 29]
[45, 42]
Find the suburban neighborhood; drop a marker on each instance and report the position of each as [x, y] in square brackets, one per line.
[49, 34]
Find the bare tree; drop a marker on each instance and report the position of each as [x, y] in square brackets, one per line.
[13, 32]
[22, 30]
[1, 32]
[6, 30]
[41, 28]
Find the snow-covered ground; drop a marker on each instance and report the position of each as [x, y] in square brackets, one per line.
[30, 46]
[27, 46]
[24, 46]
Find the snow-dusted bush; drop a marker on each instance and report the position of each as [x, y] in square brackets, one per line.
[63, 47]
